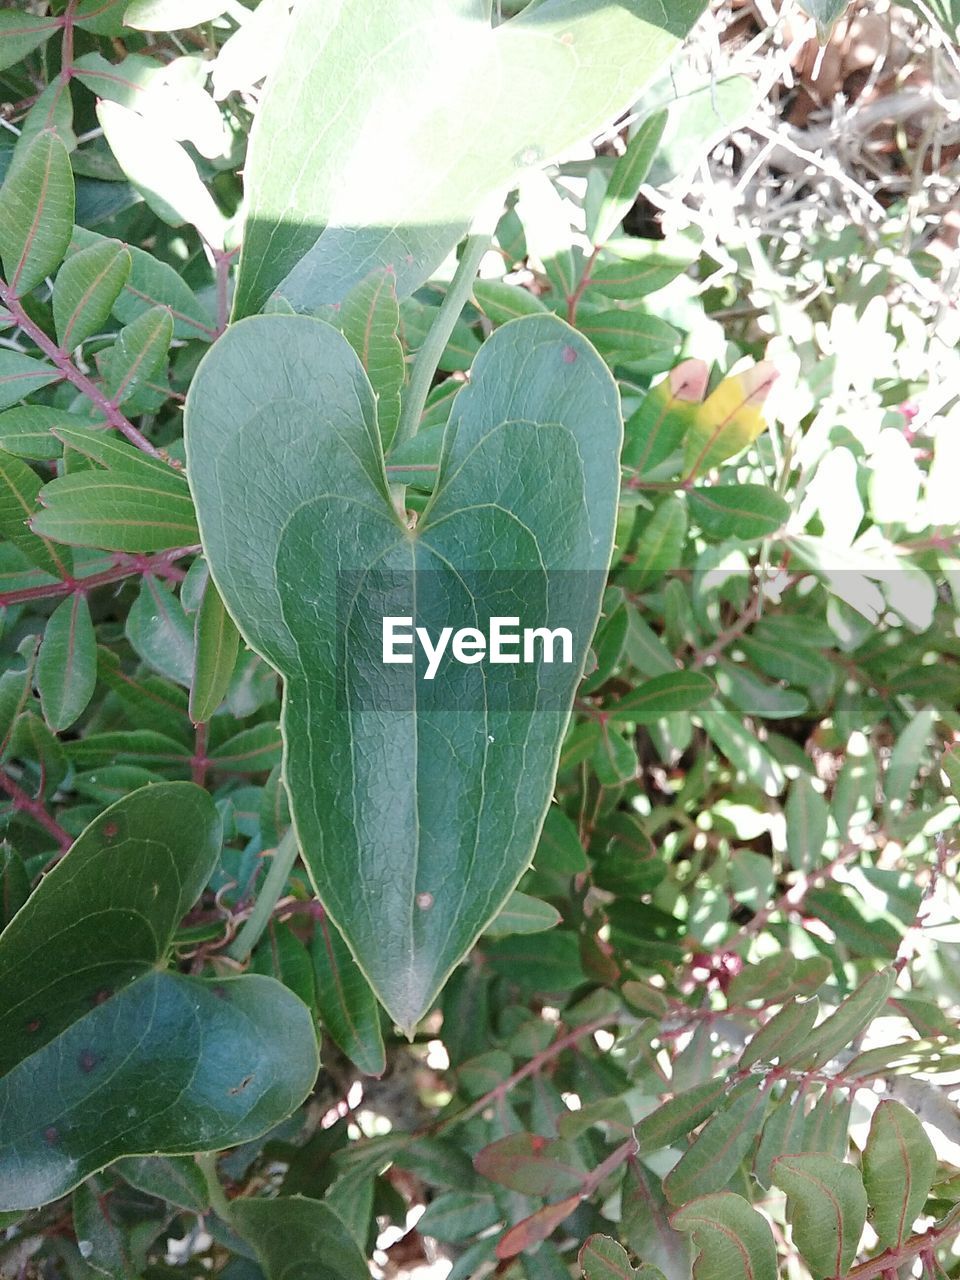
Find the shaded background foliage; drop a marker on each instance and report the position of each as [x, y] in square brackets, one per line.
[754, 807]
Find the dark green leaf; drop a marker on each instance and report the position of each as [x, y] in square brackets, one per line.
[67, 663]
[348, 1008]
[629, 174]
[745, 511]
[138, 353]
[536, 370]
[88, 284]
[299, 1239]
[20, 375]
[216, 644]
[36, 211]
[89, 1014]
[662, 696]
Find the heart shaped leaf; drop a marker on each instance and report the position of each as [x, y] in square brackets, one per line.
[417, 802]
[104, 1054]
[402, 76]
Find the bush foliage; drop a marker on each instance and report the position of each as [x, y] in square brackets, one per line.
[704, 1022]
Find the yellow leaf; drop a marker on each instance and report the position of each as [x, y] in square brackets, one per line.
[729, 420]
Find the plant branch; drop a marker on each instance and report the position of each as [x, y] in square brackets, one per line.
[893, 1259]
[529, 1068]
[573, 301]
[428, 357]
[125, 566]
[284, 856]
[61, 359]
[35, 808]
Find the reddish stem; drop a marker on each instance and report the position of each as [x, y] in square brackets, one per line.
[222, 259]
[62, 360]
[27, 804]
[126, 566]
[529, 1068]
[573, 301]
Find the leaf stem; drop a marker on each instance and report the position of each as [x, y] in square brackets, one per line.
[119, 421]
[125, 566]
[207, 1162]
[530, 1068]
[428, 357]
[36, 810]
[284, 856]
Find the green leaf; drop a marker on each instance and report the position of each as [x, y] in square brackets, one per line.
[899, 1166]
[734, 1240]
[160, 631]
[138, 353]
[523, 914]
[629, 174]
[742, 749]
[601, 1258]
[36, 212]
[806, 813]
[348, 1008]
[662, 696]
[117, 511]
[851, 1016]
[19, 487]
[161, 170]
[369, 320]
[629, 335]
[755, 696]
[372, 196]
[659, 549]
[950, 764]
[98, 1232]
[174, 1178]
[457, 1215]
[171, 15]
[501, 302]
[14, 884]
[27, 431]
[632, 280]
[781, 1034]
[826, 1209]
[20, 375]
[216, 644]
[88, 1014]
[299, 1239]
[826, 14]
[285, 397]
[679, 1116]
[88, 284]
[710, 1161]
[67, 663]
[20, 33]
[530, 1164]
[102, 17]
[153, 283]
[906, 758]
[744, 511]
